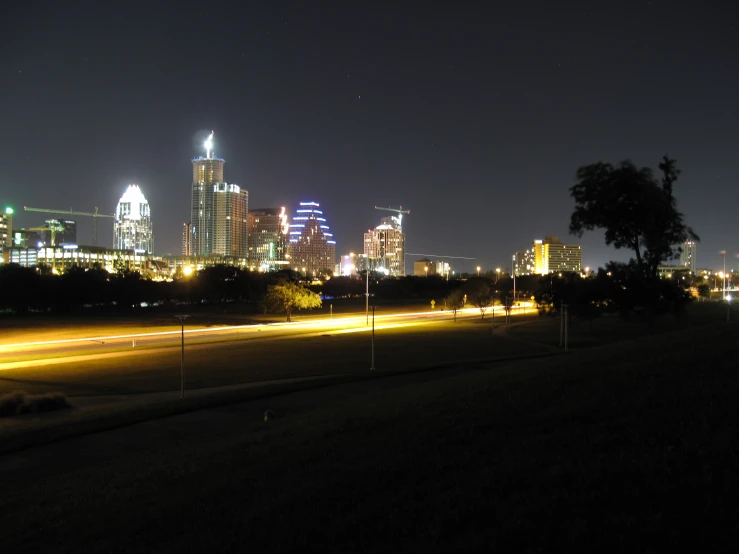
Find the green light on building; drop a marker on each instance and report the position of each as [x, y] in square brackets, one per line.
[9, 211]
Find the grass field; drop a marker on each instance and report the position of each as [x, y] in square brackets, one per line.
[629, 447]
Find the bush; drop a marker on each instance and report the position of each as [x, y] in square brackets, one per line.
[19, 403]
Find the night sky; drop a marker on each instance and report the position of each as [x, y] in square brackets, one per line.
[473, 118]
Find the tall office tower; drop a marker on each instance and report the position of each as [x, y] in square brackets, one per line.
[268, 235]
[132, 227]
[218, 211]
[187, 239]
[687, 255]
[551, 256]
[311, 246]
[207, 172]
[386, 245]
[6, 228]
[230, 220]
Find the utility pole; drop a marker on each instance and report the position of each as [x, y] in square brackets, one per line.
[182, 319]
[561, 323]
[513, 267]
[372, 367]
[366, 297]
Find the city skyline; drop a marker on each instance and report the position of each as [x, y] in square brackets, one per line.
[357, 108]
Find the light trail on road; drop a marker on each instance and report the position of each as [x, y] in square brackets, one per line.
[354, 320]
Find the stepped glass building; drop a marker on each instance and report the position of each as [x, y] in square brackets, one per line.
[311, 247]
[132, 227]
[218, 210]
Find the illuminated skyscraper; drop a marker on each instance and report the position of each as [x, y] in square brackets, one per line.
[132, 227]
[687, 255]
[268, 236]
[385, 244]
[218, 211]
[187, 239]
[312, 247]
[6, 228]
[230, 220]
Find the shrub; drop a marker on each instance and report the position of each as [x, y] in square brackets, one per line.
[19, 403]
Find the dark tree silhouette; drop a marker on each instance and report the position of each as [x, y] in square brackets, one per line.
[633, 209]
[455, 301]
[479, 292]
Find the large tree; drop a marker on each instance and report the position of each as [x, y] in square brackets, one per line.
[454, 302]
[634, 209]
[480, 293]
[287, 296]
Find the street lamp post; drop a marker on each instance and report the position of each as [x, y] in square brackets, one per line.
[478, 270]
[372, 367]
[497, 276]
[513, 267]
[366, 300]
[182, 319]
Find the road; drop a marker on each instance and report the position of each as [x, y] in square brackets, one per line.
[150, 361]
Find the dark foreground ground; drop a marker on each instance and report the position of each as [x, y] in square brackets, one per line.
[630, 447]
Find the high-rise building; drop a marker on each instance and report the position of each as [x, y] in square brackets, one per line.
[132, 227]
[230, 220]
[312, 248]
[524, 262]
[187, 239]
[551, 256]
[218, 211]
[268, 239]
[386, 244]
[687, 255]
[6, 228]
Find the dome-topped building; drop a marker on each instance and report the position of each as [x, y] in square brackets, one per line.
[132, 226]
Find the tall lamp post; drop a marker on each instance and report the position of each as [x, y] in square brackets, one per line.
[513, 267]
[182, 319]
[478, 270]
[366, 299]
[497, 276]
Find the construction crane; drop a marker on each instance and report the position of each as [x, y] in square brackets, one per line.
[53, 229]
[400, 213]
[94, 215]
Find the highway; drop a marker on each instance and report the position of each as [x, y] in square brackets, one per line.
[150, 360]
